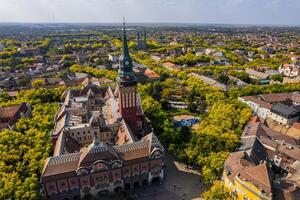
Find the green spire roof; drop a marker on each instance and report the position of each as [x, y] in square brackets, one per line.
[125, 61]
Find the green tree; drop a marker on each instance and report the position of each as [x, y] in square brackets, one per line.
[37, 83]
[277, 77]
[223, 78]
[218, 192]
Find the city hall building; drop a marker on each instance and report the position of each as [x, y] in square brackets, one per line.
[102, 143]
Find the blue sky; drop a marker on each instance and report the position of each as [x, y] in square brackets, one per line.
[191, 11]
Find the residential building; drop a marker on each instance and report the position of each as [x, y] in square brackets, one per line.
[256, 74]
[185, 120]
[291, 80]
[284, 114]
[289, 70]
[238, 82]
[171, 66]
[141, 41]
[113, 58]
[211, 82]
[1, 47]
[282, 108]
[143, 74]
[10, 115]
[265, 166]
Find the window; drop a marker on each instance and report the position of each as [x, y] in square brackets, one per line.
[78, 133]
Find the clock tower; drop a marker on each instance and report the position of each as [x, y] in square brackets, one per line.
[127, 89]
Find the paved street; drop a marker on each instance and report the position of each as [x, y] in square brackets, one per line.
[179, 183]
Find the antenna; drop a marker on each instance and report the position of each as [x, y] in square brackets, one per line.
[124, 23]
[124, 28]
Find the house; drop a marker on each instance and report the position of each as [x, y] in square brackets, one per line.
[113, 58]
[272, 72]
[258, 106]
[289, 70]
[219, 54]
[199, 51]
[284, 114]
[143, 74]
[151, 75]
[291, 80]
[51, 82]
[250, 54]
[256, 74]
[178, 104]
[156, 58]
[249, 172]
[209, 51]
[282, 108]
[170, 66]
[173, 43]
[222, 61]
[247, 180]
[10, 115]
[211, 82]
[185, 120]
[13, 93]
[29, 51]
[8, 83]
[238, 82]
[1, 47]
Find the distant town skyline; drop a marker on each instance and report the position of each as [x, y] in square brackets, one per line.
[273, 12]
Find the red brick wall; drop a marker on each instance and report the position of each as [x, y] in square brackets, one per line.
[85, 182]
[73, 183]
[63, 185]
[145, 167]
[135, 169]
[126, 171]
[51, 188]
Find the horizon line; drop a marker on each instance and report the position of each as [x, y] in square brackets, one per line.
[182, 23]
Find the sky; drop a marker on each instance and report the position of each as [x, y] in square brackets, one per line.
[278, 12]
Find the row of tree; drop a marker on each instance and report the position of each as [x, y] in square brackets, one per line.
[23, 150]
[94, 71]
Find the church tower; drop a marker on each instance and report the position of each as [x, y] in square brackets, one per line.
[127, 87]
[141, 41]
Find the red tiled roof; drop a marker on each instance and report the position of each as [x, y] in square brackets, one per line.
[258, 101]
[151, 74]
[260, 176]
[168, 64]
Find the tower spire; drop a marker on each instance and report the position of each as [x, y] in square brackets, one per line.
[124, 30]
[125, 61]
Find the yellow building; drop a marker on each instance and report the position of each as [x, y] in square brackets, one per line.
[247, 180]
